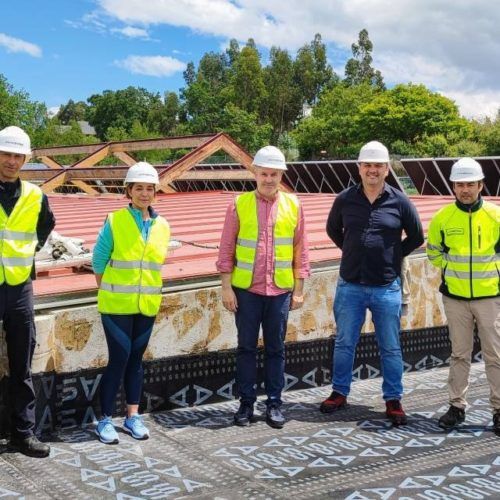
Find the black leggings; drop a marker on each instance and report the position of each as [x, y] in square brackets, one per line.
[127, 336]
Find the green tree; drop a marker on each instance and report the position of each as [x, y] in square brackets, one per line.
[16, 108]
[72, 111]
[233, 51]
[189, 74]
[333, 126]
[410, 113]
[55, 134]
[120, 109]
[312, 73]
[203, 97]
[202, 108]
[488, 134]
[359, 68]
[163, 116]
[246, 88]
[244, 128]
[283, 104]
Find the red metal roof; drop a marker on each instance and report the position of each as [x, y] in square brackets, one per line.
[194, 217]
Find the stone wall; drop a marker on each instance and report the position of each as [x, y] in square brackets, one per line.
[194, 322]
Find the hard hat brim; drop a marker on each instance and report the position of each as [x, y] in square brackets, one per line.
[272, 166]
[17, 151]
[472, 178]
[373, 160]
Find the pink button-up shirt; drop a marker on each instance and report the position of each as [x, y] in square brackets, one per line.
[263, 273]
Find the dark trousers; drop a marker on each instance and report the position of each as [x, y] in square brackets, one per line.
[16, 312]
[270, 312]
[127, 336]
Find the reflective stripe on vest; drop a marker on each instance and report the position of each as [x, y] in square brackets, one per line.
[132, 281]
[246, 243]
[18, 235]
[470, 261]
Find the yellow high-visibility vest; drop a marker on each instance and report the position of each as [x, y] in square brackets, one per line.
[246, 244]
[465, 247]
[18, 235]
[132, 282]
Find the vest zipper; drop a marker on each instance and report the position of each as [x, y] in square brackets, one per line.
[470, 253]
[479, 237]
[141, 267]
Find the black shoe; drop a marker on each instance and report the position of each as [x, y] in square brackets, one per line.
[496, 423]
[30, 446]
[274, 417]
[453, 417]
[244, 415]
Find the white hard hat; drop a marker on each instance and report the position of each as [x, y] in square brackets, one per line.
[373, 152]
[15, 140]
[142, 172]
[270, 157]
[466, 170]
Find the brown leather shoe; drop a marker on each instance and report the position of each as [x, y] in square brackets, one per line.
[335, 401]
[395, 412]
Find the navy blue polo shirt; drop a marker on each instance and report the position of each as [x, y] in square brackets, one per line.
[369, 235]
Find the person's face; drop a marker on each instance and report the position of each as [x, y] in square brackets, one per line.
[373, 174]
[268, 181]
[467, 192]
[142, 194]
[10, 165]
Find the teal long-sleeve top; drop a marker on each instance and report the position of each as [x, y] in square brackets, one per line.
[104, 245]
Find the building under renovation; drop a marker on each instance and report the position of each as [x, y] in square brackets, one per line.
[190, 360]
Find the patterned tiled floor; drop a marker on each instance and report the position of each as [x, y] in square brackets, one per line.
[354, 454]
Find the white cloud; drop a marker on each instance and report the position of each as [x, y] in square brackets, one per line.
[53, 110]
[17, 45]
[450, 45]
[132, 32]
[474, 104]
[151, 65]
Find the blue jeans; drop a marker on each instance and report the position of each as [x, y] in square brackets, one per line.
[272, 313]
[384, 302]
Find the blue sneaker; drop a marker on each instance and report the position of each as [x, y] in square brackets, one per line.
[106, 431]
[135, 427]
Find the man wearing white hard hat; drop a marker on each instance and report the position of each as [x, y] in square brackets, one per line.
[127, 260]
[26, 222]
[263, 260]
[464, 243]
[367, 222]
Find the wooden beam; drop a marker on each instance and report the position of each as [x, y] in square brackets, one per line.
[115, 173]
[189, 141]
[84, 149]
[53, 164]
[50, 162]
[53, 183]
[236, 151]
[36, 175]
[85, 187]
[239, 154]
[93, 158]
[190, 160]
[125, 158]
[217, 175]
[59, 179]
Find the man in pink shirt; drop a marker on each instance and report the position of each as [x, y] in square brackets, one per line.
[263, 260]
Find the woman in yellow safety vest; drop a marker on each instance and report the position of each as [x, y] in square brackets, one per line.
[127, 260]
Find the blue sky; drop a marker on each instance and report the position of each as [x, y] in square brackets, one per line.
[62, 49]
